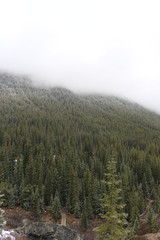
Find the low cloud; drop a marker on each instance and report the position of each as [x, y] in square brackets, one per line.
[109, 47]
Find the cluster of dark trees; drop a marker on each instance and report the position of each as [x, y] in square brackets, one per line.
[55, 147]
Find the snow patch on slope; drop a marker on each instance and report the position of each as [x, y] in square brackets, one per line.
[7, 235]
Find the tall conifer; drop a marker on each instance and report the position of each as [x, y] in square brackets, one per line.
[115, 219]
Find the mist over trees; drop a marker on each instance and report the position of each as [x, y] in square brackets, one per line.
[55, 147]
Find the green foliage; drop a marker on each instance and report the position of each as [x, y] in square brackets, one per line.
[35, 198]
[89, 209]
[115, 218]
[26, 197]
[68, 205]
[1, 214]
[38, 209]
[48, 185]
[53, 140]
[11, 198]
[149, 215]
[134, 205]
[51, 203]
[141, 202]
[55, 207]
[84, 221]
[77, 210]
[135, 226]
[154, 225]
[36, 202]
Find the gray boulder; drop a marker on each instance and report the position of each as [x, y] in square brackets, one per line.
[50, 231]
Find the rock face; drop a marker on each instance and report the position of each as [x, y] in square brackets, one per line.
[50, 231]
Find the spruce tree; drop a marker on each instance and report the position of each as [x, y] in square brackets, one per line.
[135, 226]
[11, 198]
[34, 198]
[68, 205]
[141, 201]
[38, 209]
[89, 209]
[83, 221]
[154, 225]
[51, 203]
[96, 197]
[26, 197]
[126, 188]
[48, 188]
[77, 210]
[56, 208]
[115, 218]
[1, 214]
[149, 215]
[134, 205]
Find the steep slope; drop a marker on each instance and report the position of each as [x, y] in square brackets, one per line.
[53, 141]
[22, 91]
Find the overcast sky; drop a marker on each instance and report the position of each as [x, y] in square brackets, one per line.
[110, 46]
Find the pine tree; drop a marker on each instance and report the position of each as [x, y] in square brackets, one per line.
[51, 203]
[34, 198]
[154, 225]
[141, 203]
[89, 209]
[77, 210]
[157, 203]
[70, 200]
[135, 226]
[145, 186]
[96, 197]
[38, 209]
[115, 218]
[68, 205]
[29, 170]
[134, 205]
[11, 198]
[26, 197]
[83, 221]
[1, 214]
[126, 188]
[40, 177]
[149, 216]
[56, 208]
[48, 188]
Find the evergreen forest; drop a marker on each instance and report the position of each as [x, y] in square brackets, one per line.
[55, 147]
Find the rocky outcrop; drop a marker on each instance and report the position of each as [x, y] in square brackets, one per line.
[50, 231]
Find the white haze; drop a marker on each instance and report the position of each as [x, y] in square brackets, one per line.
[108, 46]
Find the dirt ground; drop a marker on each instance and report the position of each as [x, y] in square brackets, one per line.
[14, 218]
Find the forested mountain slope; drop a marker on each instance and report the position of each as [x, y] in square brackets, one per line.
[57, 143]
